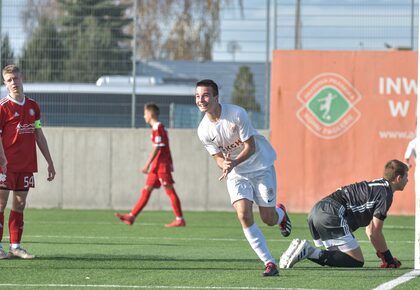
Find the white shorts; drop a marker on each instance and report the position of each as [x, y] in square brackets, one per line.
[258, 186]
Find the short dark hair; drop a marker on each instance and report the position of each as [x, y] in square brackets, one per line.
[209, 83]
[152, 107]
[393, 168]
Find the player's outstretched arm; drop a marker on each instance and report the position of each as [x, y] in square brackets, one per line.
[376, 237]
[41, 141]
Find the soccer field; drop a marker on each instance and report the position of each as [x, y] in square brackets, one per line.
[83, 249]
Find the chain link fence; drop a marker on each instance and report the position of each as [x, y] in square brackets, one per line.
[77, 55]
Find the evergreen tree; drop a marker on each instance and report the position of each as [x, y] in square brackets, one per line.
[95, 41]
[244, 90]
[42, 57]
[88, 58]
[7, 56]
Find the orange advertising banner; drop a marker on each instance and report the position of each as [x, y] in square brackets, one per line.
[337, 117]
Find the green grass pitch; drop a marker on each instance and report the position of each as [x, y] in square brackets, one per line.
[91, 249]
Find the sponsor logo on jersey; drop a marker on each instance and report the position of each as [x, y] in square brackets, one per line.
[16, 115]
[232, 147]
[25, 128]
[328, 105]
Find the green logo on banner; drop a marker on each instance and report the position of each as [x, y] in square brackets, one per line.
[329, 105]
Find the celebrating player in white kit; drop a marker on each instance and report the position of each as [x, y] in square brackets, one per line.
[246, 159]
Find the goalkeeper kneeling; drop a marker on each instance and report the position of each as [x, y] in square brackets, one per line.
[333, 220]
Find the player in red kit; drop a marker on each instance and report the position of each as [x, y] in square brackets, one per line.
[159, 169]
[20, 132]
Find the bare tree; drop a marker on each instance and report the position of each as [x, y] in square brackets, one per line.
[39, 9]
[178, 29]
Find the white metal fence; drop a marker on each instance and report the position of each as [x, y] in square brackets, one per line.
[62, 43]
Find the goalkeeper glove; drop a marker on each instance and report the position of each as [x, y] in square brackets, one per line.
[387, 260]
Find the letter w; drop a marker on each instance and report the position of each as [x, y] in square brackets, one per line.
[398, 108]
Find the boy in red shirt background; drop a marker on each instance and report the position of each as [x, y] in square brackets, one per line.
[159, 169]
[20, 132]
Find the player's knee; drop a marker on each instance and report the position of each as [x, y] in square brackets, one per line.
[245, 218]
[19, 206]
[147, 189]
[269, 220]
[269, 216]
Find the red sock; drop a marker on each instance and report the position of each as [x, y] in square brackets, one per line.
[15, 226]
[176, 203]
[1, 225]
[141, 203]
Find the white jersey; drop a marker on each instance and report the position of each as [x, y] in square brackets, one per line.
[228, 134]
[411, 149]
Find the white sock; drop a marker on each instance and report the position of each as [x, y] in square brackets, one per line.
[15, 246]
[257, 241]
[280, 212]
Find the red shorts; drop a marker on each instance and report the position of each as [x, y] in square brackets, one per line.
[157, 179]
[18, 181]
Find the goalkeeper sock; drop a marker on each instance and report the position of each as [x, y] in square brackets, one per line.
[337, 259]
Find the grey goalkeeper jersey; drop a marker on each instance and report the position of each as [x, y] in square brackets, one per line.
[363, 201]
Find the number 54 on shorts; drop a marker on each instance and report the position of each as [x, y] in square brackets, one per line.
[18, 181]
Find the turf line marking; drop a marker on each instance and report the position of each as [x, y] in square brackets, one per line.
[391, 227]
[398, 281]
[176, 239]
[145, 286]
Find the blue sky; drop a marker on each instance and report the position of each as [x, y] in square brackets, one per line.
[326, 24]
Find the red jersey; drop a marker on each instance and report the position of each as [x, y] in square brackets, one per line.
[163, 160]
[17, 129]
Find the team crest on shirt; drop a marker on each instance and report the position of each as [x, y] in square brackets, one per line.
[328, 105]
[31, 112]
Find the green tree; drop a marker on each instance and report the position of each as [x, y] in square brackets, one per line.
[244, 90]
[88, 58]
[166, 29]
[42, 57]
[95, 39]
[7, 55]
